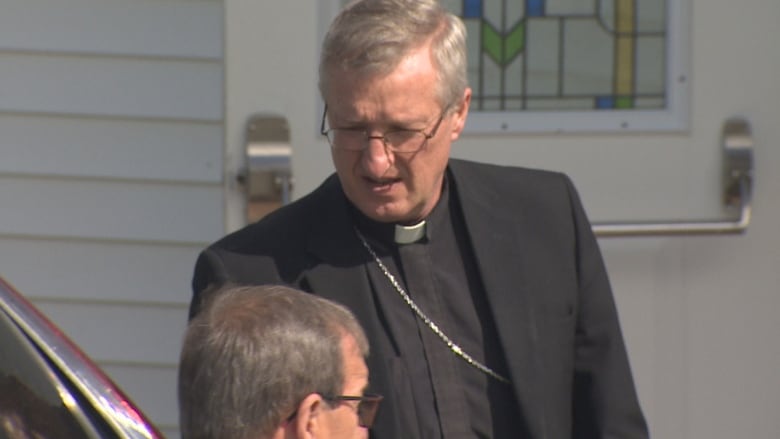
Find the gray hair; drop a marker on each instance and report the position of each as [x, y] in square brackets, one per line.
[371, 37]
[253, 353]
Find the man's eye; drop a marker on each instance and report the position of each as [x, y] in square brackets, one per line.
[351, 132]
[401, 136]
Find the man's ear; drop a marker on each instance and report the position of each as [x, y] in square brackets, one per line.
[460, 113]
[308, 421]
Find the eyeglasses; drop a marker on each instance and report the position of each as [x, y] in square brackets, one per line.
[366, 408]
[354, 139]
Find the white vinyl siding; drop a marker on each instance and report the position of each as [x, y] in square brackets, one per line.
[162, 28]
[56, 146]
[111, 164]
[59, 270]
[109, 209]
[109, 86]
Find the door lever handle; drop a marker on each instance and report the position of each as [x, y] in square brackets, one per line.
[737, 184]
[266, 179]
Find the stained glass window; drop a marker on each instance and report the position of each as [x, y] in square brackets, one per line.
[565, 54]
[593, 64]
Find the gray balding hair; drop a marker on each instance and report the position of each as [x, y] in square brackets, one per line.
[371, 37]
[253, 353]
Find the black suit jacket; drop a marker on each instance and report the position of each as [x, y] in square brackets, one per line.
[546, 286]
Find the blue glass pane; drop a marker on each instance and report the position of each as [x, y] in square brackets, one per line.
[534, 8]
[472, 8]
[605, 102]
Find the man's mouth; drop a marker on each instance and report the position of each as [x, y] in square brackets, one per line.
[382, 184]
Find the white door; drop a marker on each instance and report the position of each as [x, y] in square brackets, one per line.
[698, 313]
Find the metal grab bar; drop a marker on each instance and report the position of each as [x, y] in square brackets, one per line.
[737, 188]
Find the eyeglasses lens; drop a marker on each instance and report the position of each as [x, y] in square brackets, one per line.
[367, 409]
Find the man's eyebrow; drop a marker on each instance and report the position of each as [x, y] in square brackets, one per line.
[402, 124]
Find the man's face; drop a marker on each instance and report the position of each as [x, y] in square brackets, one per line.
[387, 186]
[342, 420]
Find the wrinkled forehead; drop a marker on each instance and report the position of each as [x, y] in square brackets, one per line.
[341, 82]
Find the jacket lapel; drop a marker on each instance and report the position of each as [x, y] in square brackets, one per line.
[339, 273]
[338, 258]
[496, 238]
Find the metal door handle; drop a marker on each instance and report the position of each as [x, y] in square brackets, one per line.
[267, 177]
[737, 190]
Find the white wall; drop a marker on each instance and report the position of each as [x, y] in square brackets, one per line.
[111, 114]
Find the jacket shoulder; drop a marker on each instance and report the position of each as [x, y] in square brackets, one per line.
[285, 227]
[512, 183]
[493, 171]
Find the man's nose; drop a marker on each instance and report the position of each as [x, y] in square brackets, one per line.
[377, 158]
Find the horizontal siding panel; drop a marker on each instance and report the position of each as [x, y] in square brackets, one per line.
[145, 28]
[99, 271]
[121, 334]
[127, 149]
[153, 389]
[144, 88]
[110, 210]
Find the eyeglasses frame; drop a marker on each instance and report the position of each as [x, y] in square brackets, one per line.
[364, 420]
[369, 401]
[383, 137]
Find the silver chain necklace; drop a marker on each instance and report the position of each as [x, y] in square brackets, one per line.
[431, 324]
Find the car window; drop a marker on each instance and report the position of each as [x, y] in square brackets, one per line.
[34, 403]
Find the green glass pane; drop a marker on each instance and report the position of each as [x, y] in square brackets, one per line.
[492, 43]
[515, 43]
[624, 102]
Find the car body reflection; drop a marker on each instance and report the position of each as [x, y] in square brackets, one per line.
[50, 389]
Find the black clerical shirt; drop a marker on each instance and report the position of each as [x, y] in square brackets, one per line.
[446, 397]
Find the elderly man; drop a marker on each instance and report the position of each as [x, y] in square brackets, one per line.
[481, 287]
[271, 362]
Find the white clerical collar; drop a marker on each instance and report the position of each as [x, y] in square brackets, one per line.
[409, 234]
